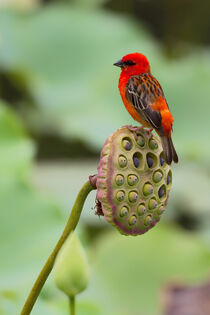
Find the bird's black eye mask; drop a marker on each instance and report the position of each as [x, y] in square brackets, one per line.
[123, 64]
[129, 63]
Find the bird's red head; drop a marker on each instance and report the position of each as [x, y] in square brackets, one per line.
[133, 64]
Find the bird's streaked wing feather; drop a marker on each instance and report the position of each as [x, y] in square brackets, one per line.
[142, 91]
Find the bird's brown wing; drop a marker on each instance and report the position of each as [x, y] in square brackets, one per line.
[142, 92]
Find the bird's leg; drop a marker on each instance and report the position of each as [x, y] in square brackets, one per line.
[150, 131]
[133, 129]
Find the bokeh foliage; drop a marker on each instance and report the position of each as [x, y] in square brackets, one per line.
[59, 59]
[62, 56]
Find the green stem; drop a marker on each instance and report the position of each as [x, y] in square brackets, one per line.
[70, 226]
[72, 305]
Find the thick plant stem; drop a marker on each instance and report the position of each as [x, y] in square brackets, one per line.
[70, 226]
[72, 305]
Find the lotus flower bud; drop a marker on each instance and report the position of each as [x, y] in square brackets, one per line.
[133, 181]
[71, 269]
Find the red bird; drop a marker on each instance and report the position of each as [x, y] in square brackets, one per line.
[144, 99]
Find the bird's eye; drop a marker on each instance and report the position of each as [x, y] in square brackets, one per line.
[129, 63]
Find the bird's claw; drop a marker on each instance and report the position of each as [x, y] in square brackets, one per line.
[134, 129]
[150, 131]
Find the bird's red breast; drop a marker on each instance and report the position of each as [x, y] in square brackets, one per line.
[130, 108]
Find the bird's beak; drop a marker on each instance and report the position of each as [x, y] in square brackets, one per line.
[119, 63]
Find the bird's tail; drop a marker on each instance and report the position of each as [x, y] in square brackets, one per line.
[169, 150]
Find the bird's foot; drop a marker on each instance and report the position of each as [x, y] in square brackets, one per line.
[150, 131]
[131, 128]
[134, 129]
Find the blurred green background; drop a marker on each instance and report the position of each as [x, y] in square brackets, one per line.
[59, 102]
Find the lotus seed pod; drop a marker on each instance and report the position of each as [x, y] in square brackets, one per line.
[133, 181]
[71, 273]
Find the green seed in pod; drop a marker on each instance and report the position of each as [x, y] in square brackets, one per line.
[122, 161]
[126, 144]
[132, 180]
[148, 220]
[120, 195]
[124, 211]
[157, 176]
[141, 209]
[161, 210]
[132, 220]
[152, 204]
[119, 180]
[140, 141]
[71, 273]
[153, 144]
[147, 189]
[132, 196]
